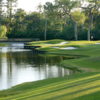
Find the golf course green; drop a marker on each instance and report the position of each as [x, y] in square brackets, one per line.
[85, 85]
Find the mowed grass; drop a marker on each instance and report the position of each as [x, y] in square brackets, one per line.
[76, 87]
[80, 86]
[88, 49]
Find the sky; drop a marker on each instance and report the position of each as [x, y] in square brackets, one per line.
[30, 5]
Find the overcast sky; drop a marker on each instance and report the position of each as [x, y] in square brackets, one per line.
[30, 5]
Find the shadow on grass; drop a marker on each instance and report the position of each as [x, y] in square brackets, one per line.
[62, 87]
[80, 98]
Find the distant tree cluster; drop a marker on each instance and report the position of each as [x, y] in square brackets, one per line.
[63, 19]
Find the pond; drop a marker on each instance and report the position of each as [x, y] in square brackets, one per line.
[18, 65]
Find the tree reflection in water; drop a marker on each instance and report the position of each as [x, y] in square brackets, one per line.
[19, 65]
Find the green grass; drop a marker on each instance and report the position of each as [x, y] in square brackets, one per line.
[80, 86]
[2, 44]
[66, 88]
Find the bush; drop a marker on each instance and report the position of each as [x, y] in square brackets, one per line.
[3, 31]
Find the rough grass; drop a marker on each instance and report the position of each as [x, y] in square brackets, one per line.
[2, 44]
[80, 86]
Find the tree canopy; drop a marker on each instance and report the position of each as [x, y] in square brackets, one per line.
[63, 19]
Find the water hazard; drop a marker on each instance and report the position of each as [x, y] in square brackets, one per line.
[18, 65]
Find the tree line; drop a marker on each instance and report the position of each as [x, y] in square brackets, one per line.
[62, 19]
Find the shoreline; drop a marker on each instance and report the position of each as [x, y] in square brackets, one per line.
[81, 82]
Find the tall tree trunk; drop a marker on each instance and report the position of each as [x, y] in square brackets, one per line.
[7, 28]
[75, 26]
[11, 15]
[45, 26]
[89, 25]
[65, 21]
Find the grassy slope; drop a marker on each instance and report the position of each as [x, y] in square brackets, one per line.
[66, 88]
[81, 86]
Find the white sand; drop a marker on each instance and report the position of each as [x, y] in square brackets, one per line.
[69, 48]
[97, 43]
[63, 42]
[57, 44]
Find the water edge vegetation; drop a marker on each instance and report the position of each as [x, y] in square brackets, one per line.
[80, 86]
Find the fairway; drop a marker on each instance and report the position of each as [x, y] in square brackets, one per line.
[50, 50]
[84, 85]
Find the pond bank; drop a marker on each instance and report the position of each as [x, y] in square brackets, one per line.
[80, 86]
[3, 44]
[25, 66]
[81, 51]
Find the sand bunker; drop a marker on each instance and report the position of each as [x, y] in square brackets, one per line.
[69, 48]
[57, 44]
[97, 43]
[63, 42]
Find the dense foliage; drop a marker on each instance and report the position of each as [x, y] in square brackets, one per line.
[63, 19]
[3, 32]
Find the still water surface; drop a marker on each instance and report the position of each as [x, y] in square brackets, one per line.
[18, 65]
